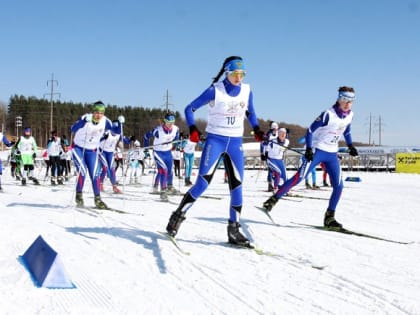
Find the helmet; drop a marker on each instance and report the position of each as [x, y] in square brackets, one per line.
[274, 125]
[137, 143]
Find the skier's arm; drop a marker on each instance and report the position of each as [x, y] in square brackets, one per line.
[320, 121]
[205, 97]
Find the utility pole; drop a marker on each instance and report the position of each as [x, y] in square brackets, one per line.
[167, 104]
[51, 83]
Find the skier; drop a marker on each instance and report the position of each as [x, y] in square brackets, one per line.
[270, 135]
[107, 147]
[163, 135]
[88, 131]
[189, 150]
[27, 149]
[3, 139]
[54, 150]
[274, 149]
[135, 155]
[230, 101]
[323, 136]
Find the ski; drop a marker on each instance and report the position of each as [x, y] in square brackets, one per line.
[210, 197]
[251, 246]
[352, 232]
[175, 243]
[306, 197]
[267, 213]
[99, 211]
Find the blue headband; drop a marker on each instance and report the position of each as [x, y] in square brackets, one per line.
[346, 96]
[236, 64]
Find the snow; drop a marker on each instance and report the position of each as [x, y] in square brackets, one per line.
[120, 264]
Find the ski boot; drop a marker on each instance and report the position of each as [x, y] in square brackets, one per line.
[315, 186]
[99, 203]
[23, 181]
[325, 184]
[53, 181]
[60, 180]
[307, 185]
[235, 236]
[34, 180]
[164, 195]
[270, 203]
[330, 222]
[172, 190]
[270, 187]
[175, 222]
[79, 199]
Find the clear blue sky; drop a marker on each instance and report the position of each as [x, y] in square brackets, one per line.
[297, 54]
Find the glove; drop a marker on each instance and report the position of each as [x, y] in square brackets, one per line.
[194, 134]
[309, 154]
[132, 138]
[353, 151]
[121, 119]
[12, 143]
[17, 152]
[34, 155]
[264, 157]
[146, 151]
[106, 135]
[87, 117]
[259, 135]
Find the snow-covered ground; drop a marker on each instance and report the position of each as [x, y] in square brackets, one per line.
[120, 264]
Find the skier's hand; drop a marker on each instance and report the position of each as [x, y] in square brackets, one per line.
[194, 134]
[259, 135]
[309, 154]
[353, 151]
[133, 138]
[121, 119]
[34, 155]
[87, 117]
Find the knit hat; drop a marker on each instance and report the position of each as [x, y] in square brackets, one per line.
[99, 107]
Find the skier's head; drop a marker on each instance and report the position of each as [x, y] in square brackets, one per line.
[27, 131]
[99, 107]
[234, 68]
[98, 111]
[137, 143]
[274, 126]
[282, 133]
[345, 99]
[168, 121]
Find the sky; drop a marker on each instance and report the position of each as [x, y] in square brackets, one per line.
[297, 53]
[120, 264]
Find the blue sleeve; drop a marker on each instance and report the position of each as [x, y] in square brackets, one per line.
[77, 125]
[147, 137]
[250, 114]
[320, 121]
[126, 140]
[6, 141]
[205, 97]
[347, 135]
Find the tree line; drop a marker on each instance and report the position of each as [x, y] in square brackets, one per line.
[35, 113]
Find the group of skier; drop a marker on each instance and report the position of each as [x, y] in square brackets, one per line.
[230, 101]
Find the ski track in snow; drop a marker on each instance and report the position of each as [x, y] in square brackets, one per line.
[120, 264]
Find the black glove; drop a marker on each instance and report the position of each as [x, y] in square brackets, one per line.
[259, 135]
[309, 154]
[12, 143]
[132, 138]
[353, 151]
[106, 135]
[263, 157]
[34, 155]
